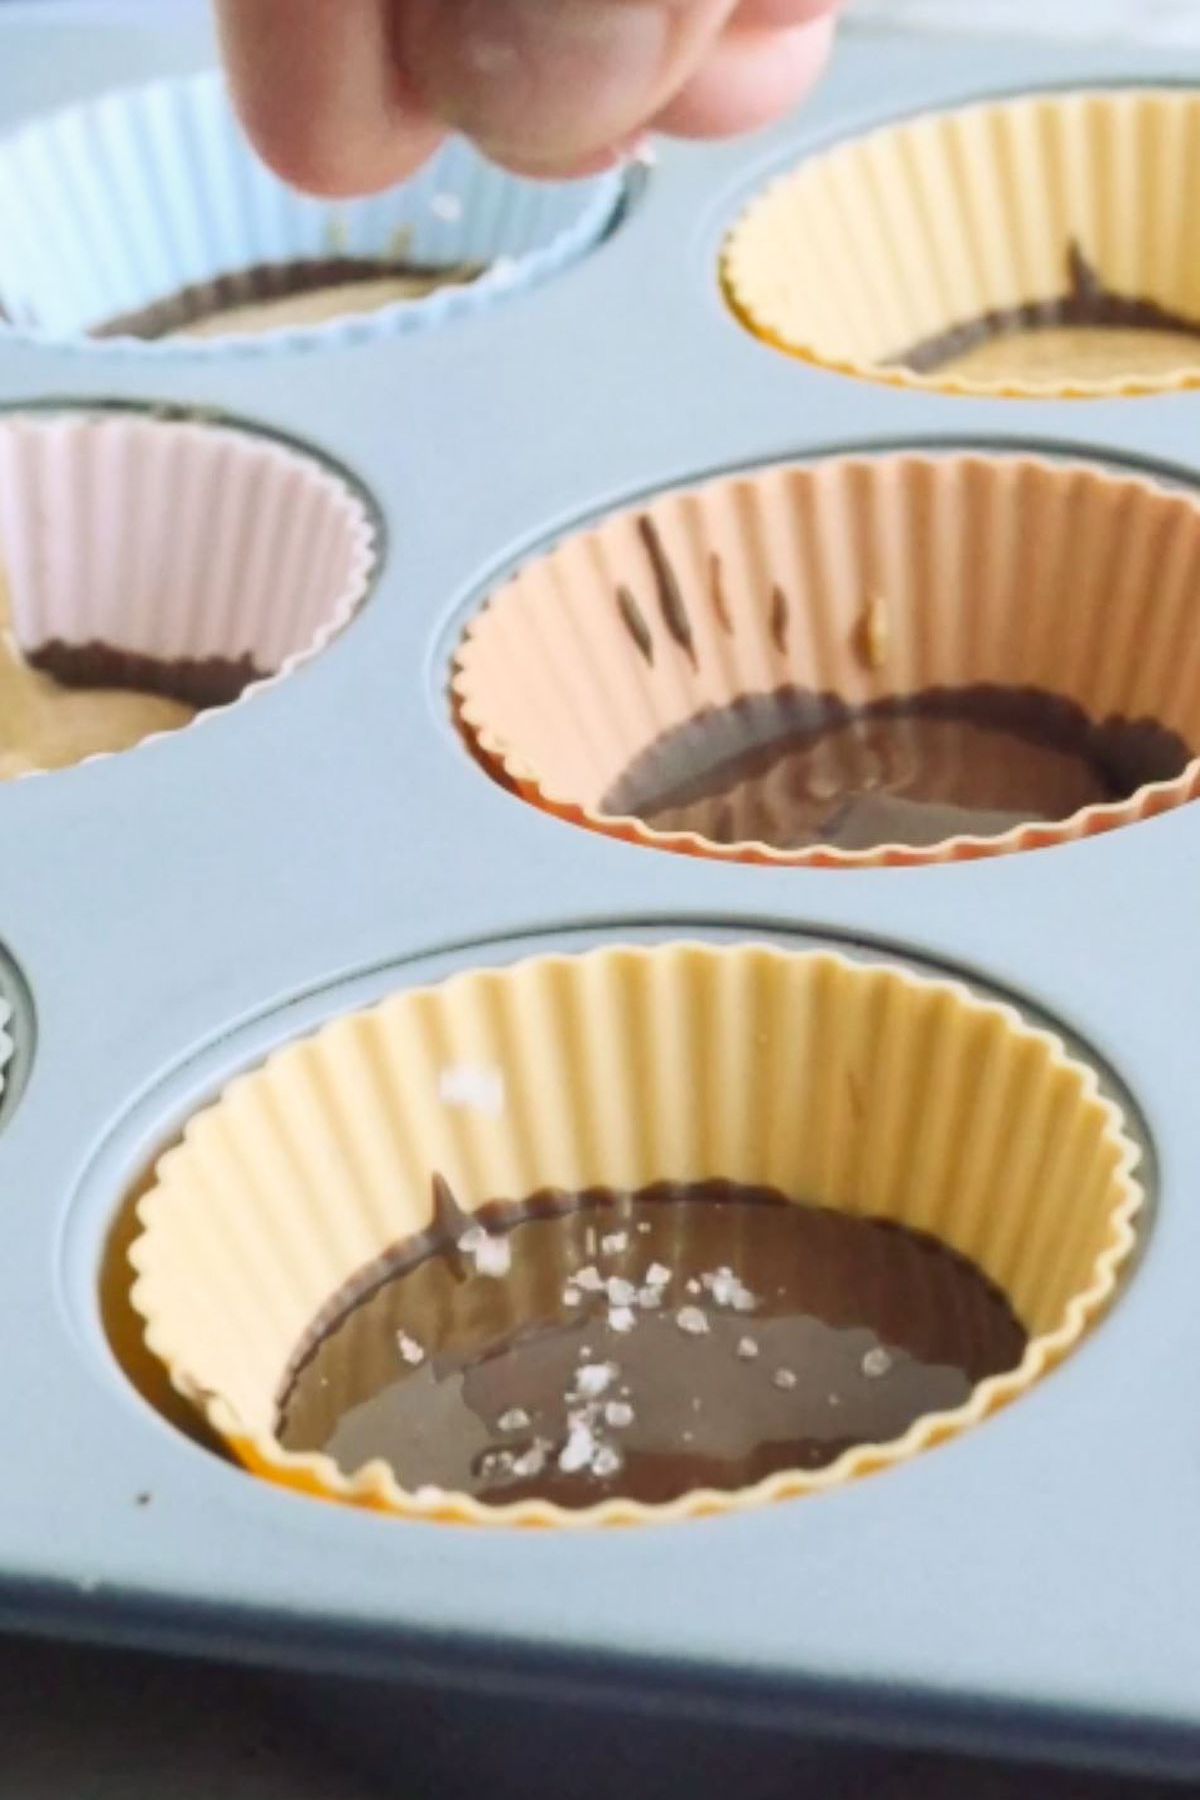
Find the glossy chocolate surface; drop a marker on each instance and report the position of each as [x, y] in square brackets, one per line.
[575, 1347]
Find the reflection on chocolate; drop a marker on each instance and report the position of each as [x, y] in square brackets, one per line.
[199, 681]
[794, 768]
[578, 1346]
[275, 295]
[1087, 304]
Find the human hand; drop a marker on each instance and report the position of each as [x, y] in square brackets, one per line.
[349, 96]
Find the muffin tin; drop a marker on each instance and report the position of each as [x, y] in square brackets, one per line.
[172, 915]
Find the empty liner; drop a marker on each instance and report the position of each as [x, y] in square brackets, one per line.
[189, 562]
[864, 1089]
[1054, 211]
[859, 577]
[115, 206]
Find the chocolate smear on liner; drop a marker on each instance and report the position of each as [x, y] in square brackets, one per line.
[716, 577]
[635, 624]
[1086, 302]
[670, 599]
[779, 619]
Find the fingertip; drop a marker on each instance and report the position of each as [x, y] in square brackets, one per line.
[751, 78]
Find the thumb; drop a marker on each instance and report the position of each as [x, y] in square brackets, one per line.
[546, 84]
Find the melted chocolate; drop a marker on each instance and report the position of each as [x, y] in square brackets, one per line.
[793, 768]
[195, 681]
[643, 1344]
[1086, 302]
[268, 281]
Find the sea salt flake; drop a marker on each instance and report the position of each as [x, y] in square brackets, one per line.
[693, 1286]
[650, 1298]
[784, 1378]
[589, 1279]
[593, 1378]
[644, 1227]
[515, 1419]
[620, 1291]
[495, 1463]
[579, 1449]
[530, 1462]
[728, 1289]
[618, 1414]
[621, 1318]
[876, 1362]
[474, 1086]
[657, 1275]
[607, 1461]
[491, 1255]
[691, 1320]
[409, 1349]
[614, 1243]
[747, 1349]
[571, 1295]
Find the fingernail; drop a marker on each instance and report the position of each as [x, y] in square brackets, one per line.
[542, 83]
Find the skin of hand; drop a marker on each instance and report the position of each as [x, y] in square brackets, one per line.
[345, 97]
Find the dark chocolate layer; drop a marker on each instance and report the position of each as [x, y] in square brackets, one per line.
[196, 681]
[268, 281]
[1086, 302]
[794, 768]
[643, 1344]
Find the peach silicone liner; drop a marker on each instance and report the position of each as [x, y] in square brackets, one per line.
[860, 576]
[922, 226]
[861, 1087]
[176, 541]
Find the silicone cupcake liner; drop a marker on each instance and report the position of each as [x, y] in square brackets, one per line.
[188, 558]
[114, 205]
[860, 577]
[864, 1089]
[1056, 208]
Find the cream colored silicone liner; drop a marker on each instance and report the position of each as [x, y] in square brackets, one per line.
[886, 241]
[863, 577]
[858, 1087]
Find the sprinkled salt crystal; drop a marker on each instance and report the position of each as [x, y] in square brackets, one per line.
[876, 1362]
[747, 1349]
[446, 206]
[474, 1086]
[784, 1378]
[691, 1320]
[727, 1289]
[606, 1461]
[693, 1286]
[495, 1462]
[579, 1449]
[644, 1227]
[621, 1292]
[614, 1243]
[657, 1275]
[491, 1255]
[530, 1462]
[571, 1295]
[835, 1399]
[515, 1419]
[621, 1318]
[590, 1279]
[409, 1349]
[593, 1378]
[650, 1298]
[618, 1414]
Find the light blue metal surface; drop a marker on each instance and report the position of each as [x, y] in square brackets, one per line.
[1031, 1587]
